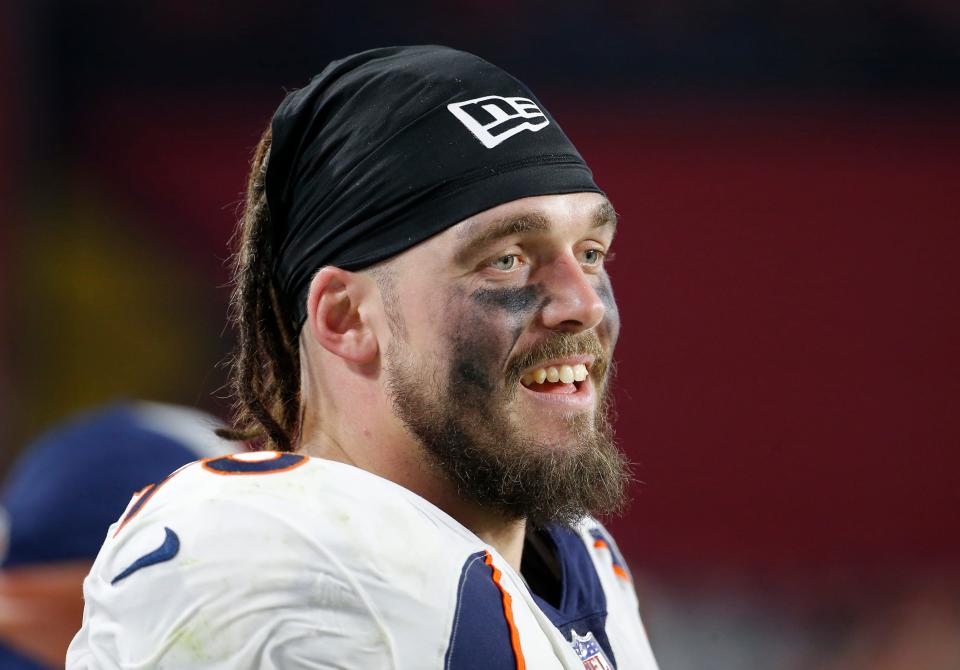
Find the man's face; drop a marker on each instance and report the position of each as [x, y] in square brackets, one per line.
[502, 331]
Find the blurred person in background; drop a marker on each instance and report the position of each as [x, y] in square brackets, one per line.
[57, 503]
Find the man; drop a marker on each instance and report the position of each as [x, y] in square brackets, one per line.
[425, 333]
[58, 501]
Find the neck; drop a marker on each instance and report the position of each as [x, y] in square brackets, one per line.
[504, 535]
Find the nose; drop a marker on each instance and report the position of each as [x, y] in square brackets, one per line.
[573, 304]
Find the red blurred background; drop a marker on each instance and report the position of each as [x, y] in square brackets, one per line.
[786, 177]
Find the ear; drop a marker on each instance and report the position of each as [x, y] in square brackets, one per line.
[334, 316]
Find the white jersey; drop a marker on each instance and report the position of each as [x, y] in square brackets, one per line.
[281, 561]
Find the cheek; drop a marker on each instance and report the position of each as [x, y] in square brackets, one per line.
[513, 301]
[513, 307]
[477, 343]
[611, 315]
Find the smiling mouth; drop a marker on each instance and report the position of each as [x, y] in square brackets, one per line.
[561, 379]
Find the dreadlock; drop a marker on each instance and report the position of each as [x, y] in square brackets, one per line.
[265, 366]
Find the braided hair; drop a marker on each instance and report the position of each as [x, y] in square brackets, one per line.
[265, 366]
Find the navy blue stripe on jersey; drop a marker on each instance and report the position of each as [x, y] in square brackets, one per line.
[228, 465]
[583, 605]
[480, 639]
[165, 552]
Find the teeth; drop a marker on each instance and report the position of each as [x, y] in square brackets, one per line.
[566, 374]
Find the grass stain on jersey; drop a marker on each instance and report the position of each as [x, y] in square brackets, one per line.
[191, 641]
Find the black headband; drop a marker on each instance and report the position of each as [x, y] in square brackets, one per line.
[388, 147]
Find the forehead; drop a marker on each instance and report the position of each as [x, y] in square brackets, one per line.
[546, 213]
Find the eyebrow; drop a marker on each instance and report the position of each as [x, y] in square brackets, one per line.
[605, 215]
[529, 222]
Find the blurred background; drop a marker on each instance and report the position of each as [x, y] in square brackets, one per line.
[787, 178]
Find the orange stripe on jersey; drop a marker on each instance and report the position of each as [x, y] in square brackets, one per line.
[142, 491]
[616, 562]
[508, 613]
[145, 494]
[142, 497]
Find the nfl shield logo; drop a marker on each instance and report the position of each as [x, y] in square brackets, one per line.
[589, 652]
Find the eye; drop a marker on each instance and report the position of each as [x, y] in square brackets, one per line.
[505, 263]
[593, 256]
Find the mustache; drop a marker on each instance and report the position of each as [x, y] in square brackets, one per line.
[562, 345]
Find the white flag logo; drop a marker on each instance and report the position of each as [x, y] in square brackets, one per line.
[493, 119]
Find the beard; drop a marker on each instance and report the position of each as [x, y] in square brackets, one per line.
[464, 426]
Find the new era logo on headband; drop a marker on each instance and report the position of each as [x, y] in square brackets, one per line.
[493, 119]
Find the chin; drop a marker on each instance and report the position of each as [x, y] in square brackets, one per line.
[561, 439]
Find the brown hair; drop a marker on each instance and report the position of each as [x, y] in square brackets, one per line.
[265, 366]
